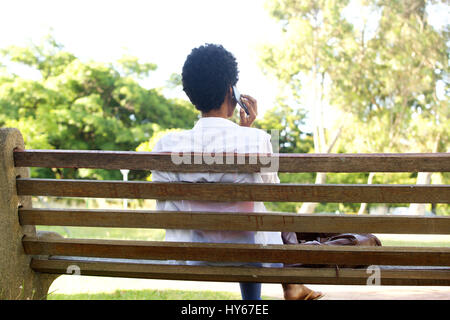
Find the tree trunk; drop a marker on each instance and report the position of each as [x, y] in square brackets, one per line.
[423, 178]
[363, 206]
[321, 178]
[420, 208]
[309, 207]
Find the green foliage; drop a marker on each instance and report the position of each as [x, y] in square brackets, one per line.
[382, 81]
[288, 122]
[384, 76]
[389, 82]
[175, 81]
[292, 139]
[148, 146]
[83, 105]
[131, 66]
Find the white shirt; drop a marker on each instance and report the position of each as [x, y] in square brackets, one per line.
[216, 135]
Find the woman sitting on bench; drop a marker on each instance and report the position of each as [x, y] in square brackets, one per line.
[209, 77]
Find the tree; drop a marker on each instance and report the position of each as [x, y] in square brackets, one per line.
[290, 123]
[380, 74]
[312, 30]
[84, 105]
[391, 92]
[293, 138]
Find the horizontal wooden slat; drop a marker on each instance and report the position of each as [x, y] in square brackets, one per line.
[235, 191]
[384, 162]
[235, 221]
[388, 276]
[288, 254]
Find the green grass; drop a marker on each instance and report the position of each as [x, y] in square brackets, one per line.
[148, 295]
[419, 240]
[409, 243]
[107, 233]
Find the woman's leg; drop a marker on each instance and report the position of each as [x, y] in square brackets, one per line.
[250, 290]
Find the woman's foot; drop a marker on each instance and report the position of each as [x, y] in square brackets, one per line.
[300, 292]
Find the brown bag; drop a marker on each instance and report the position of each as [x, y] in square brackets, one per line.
[339, 239]
[329, 239]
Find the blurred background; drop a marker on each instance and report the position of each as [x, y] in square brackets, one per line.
[337, 76]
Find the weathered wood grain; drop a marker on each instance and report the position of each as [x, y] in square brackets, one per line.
[236, 191]
[237, 221]
[225, 252]
[402, 258]
[344, 276]
[382, 162]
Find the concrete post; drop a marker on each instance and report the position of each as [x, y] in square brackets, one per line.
[17, 279]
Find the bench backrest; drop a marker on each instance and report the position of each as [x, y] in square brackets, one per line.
[437, 258]
[233, 192]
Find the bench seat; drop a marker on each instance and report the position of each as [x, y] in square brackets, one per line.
[132, 268]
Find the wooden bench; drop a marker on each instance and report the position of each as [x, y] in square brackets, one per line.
[43, 256]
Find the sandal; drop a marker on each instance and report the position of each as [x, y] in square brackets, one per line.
[309, 296]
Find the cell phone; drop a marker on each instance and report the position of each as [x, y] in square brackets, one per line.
[237, 97]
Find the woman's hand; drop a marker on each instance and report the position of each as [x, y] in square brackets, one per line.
[252, 106]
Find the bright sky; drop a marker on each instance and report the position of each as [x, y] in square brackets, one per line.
[162, 32]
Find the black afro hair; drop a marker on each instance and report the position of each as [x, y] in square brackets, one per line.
[208, 72]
